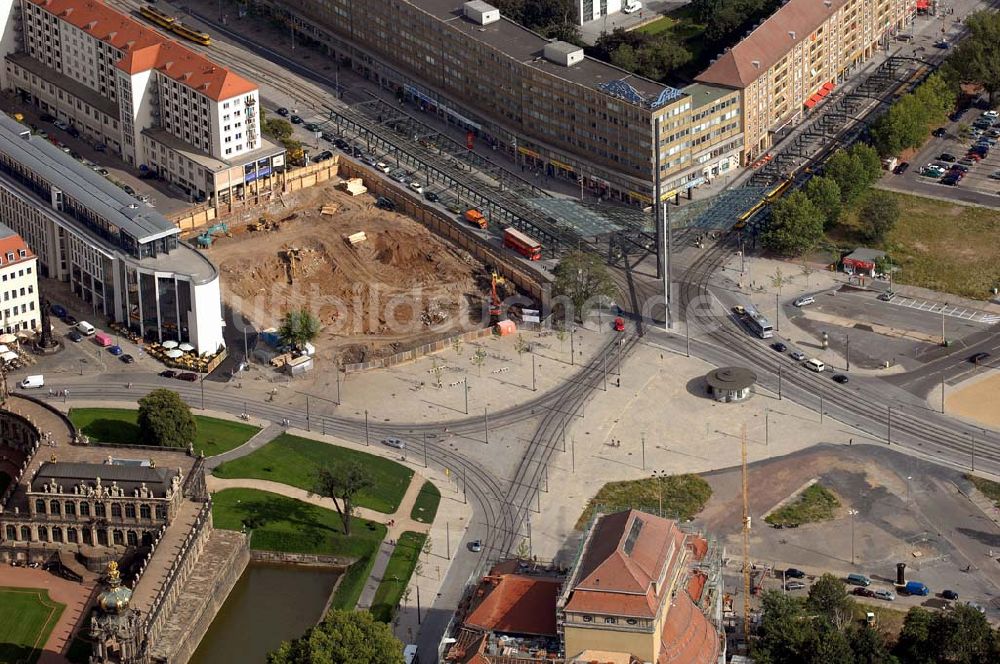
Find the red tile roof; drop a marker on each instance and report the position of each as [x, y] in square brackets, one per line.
[769, 43]
[146, 49]
[688, 637]
[515, 604]
[14, 243]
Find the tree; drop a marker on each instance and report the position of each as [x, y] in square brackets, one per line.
[828, 598]
[963, 636]
[341, 484]
[913, 645]
[866, 158]
[878, 215]
[479, 359]
[276, 127]
[976, 59]
[165, 420]
[625, 57]
[826, 644]
[581, 276]
[298, 327]
[796, 225]
[843, 170]
[344, 637]
[783, 630]
[824, 193]
[869, 646]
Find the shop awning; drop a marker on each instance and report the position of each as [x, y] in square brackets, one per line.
[923, 4]
[822, 93]
[829, 85]
[810, 102]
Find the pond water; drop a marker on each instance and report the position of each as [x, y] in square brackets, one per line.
[268, 605]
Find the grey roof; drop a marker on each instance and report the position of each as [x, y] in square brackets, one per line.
[703, 94]
[6, 231]
[93, 191]
[127, 477]
[528, 47]
[865, 254]
[731, 378]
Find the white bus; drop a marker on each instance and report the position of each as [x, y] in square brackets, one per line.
[757, 323]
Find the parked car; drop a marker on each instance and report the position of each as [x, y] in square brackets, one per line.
[282, 111]
[977, 607]
[188, 376]
[794, 585]
[115, 350]
[475, 546]
[944, 156]
[793, 573]
[296, 119]
[943, 45]
[417, 187]
[57, 310]
[59, 124]
[840, 378]
[127, 359]
[168, 373]
[45, 117]
[886, 296]
[864, 592]
[885, 594]
[979, 358]
[431, 196]
[382, 166]
[384, 203]
[961, 168]
[311, 126]
[949, 594]
[901, 168]
[968, 161]
[778, 346]
[70, 320]
[342, 144]
[991, 114]
[323, 156]
[804, 300]
[75, 336]
[394, 442]
[950, 181]
[915, 588]
[939, 132]
[798, 356]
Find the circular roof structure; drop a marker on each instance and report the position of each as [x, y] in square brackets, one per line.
[731, 379]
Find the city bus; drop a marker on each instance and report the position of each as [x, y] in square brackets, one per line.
[154, 15]
[757, 323]
[522, 244]
[192, 34]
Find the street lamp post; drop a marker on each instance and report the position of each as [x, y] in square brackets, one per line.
[853, 513]
[908, 478]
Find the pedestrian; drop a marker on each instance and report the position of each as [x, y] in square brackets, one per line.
[618, 382]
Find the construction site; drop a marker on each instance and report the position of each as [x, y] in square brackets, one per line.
[378, 281]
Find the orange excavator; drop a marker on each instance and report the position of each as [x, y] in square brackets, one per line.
[495, 308]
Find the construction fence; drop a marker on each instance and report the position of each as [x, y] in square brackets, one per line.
[419, 351]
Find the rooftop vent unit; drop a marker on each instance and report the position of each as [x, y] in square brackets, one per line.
[563, 53]
[481, 12]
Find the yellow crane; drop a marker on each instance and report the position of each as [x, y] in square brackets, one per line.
[746, 539]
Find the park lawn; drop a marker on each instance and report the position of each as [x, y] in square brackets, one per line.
[683, 496]
[27, 617]
[816, 503]
[294, 461]
[117, 426]
[662, 24]
[944, 247]
[284, 524]
[397, 575]
[425, 507]
[988, 488]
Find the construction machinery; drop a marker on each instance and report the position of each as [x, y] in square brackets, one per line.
[290, 256]
[206, 239]
[495, 306]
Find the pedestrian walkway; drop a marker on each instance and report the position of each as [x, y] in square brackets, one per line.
[259, 440]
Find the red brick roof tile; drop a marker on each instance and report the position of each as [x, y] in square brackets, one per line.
[515, 604]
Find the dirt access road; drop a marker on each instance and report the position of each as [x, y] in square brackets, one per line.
[398, 288]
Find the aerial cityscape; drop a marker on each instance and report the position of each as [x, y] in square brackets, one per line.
[500, 332]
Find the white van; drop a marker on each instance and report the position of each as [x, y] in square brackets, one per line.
[631, 6]
[86, 329]
[410, 654]
[32, 382]
[815, 365]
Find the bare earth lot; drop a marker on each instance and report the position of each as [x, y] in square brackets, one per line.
[399, 288]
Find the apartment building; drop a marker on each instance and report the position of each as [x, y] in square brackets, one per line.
[798, 56]
[18, 283]
[159, 105]
[560, 113]
[121, 258]
[592, 10]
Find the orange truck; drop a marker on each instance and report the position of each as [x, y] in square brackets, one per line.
[476, 218]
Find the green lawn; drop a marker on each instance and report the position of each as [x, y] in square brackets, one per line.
[425, 507]
[661, 24]
[817, 503]
[292, 460]
[945, 247]
[27, 617]
[285, 524]
[397, 575]
[988, 488]
[682, 497]
[117, 425]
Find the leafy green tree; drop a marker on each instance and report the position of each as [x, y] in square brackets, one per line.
[824, 193]
[938, 96]
[977, 57]
[869, 646]
[796, 225]
[341, 484]
[580, 277]
[344, 637]
[866, 158]
[828, 598]
[278, 128]
[904, 126]
[625, 57]
[165, 420]
[825, 644]
[783, 630]
[843, 169]
[913, 645]
[298, 327]
[878, 215]
[963, 636]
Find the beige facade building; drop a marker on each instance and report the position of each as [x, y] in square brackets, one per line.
[18, 283]
[798, 56]
[560, 113]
